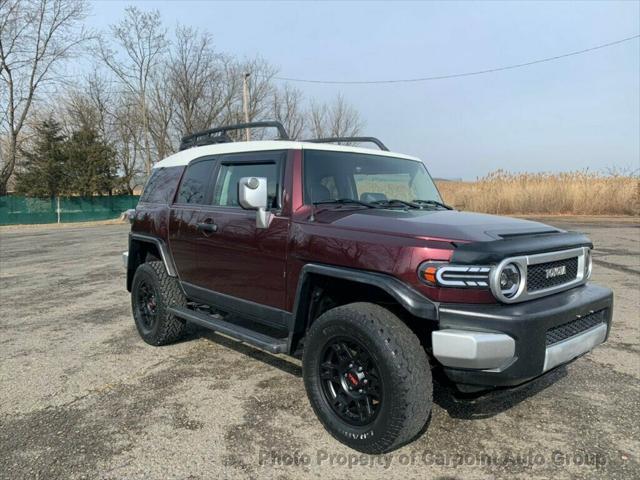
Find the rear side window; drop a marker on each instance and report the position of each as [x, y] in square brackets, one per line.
[195, 182]
[161, 185]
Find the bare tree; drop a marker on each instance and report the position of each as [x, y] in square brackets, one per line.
[140, 45]
[336, 119]
[318, 113]
[36, 37]
[128, 131]
[161, 112]
[286, 107]
[90, 104]
[197, 82]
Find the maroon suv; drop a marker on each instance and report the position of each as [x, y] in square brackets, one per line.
[348, 258]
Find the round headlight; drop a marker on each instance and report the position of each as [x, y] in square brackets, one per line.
[509, 280]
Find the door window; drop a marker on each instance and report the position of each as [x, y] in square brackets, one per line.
[195, 182]
[226, 192]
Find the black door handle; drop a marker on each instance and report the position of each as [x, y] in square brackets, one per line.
[207, 227]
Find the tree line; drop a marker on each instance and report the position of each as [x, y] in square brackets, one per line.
[146, 87]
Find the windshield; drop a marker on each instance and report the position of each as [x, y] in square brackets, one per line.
[367, 178]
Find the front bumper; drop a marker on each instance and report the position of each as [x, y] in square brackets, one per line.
[506, 345]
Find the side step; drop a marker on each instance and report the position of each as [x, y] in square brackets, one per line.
[246, 335]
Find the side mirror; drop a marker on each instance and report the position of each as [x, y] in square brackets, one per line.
[252, 195]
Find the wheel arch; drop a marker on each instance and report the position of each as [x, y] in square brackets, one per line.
[321, 287]
[141, 247]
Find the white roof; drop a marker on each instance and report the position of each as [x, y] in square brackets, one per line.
[184, 157]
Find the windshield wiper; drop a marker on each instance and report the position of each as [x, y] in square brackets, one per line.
[397, 202]
[346, 201]
[433, 202]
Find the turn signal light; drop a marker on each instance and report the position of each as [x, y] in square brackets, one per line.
[460, 276]
[429, 275]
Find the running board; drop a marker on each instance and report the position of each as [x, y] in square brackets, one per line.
[246, 335]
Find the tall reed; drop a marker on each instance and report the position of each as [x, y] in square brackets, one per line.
[577, 193]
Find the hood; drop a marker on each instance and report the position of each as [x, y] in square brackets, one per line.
[445, 224]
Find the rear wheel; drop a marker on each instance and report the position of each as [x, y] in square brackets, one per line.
[367, 377]
[152, 293]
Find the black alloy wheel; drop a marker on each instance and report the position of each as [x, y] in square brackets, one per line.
[147, 305]
[351, 381]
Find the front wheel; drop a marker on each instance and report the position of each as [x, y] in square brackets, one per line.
[367, 377]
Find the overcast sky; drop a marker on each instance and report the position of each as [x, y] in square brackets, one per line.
[578, 112]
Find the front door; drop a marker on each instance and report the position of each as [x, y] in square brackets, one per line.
[217, 247]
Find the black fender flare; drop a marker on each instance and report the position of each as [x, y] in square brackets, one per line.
[411, 300]
[163, 249]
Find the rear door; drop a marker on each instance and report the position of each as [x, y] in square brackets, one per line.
[189, 213]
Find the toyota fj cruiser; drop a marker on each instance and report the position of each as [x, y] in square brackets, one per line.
[349, 258]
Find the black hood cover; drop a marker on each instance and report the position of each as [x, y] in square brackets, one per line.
[446, 224]
[483, 253]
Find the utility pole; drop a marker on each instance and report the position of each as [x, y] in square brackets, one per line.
[245, 103]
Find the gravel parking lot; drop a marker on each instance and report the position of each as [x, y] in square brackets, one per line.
[83, 397]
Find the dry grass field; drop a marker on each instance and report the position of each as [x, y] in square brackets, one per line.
[571, 193]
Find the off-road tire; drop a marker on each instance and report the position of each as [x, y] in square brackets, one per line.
[166, 328]
[403, 366]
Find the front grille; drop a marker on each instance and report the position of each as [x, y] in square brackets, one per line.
[575, 327]
[539, 275]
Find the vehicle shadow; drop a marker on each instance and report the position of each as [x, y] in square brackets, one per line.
[458, 405]
[490, 403]
[285, 364]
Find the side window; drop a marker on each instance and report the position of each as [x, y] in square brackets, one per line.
[161, 185]
[226, 191]
[195, 182]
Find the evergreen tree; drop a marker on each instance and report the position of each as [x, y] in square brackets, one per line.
[43, 171]
[91, 166]
[54, 165]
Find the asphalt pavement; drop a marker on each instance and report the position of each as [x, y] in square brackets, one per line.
[82, 396]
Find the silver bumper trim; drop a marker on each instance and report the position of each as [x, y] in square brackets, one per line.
[468, 349]
[125, 258]
[573, 347]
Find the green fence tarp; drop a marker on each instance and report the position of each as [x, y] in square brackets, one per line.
[25, 210]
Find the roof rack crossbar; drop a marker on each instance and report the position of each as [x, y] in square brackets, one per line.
[374, 140]
[219, 134]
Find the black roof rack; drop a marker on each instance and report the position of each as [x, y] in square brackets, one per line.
[380, 145]
[219, 134]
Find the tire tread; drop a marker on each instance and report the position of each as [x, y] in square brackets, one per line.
[171, 328]
[410, 365]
